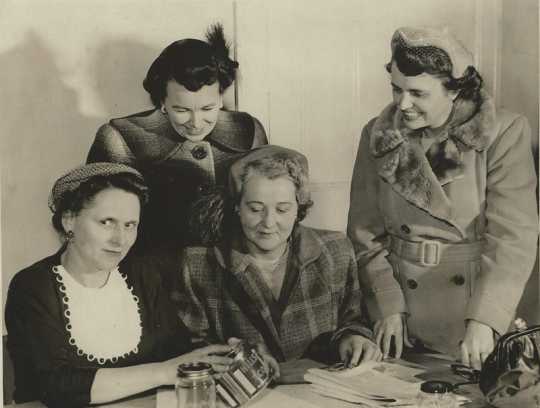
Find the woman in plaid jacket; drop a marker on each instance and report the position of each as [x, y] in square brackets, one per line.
[269, 279]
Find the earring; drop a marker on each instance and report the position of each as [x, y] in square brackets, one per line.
[162, 109]
[69, 236]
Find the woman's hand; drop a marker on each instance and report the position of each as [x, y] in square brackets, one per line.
[208, 354]
[270, 362]
[392, 326]
[477, 344]
[355, 349]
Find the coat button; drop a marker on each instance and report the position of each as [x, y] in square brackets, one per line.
[203, 189]
[199, 152]
[412, 284]
[405, 229]
[458, 280]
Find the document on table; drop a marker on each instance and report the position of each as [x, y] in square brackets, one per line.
[373, 384]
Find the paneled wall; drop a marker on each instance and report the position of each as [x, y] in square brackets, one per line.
[519, 93]
[312, 71]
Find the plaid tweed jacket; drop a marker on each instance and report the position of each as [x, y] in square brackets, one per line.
[223, 295]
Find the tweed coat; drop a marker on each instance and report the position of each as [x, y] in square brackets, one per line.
[176, 169]
[474, 185]
[223, 295]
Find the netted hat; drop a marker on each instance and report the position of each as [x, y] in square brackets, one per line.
[411, 37]
[73, 179]
[295, 161]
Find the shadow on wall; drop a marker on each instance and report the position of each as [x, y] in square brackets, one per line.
[119, 68]
[44, 134]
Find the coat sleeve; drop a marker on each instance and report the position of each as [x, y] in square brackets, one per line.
[191, 306]
[37, 344]
[259, 135]
[110, 146]
[511, 226]
[350, 315]
[366, 229]
[351, 318]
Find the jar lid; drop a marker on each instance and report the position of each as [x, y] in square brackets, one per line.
[194, 370]
[436, 387]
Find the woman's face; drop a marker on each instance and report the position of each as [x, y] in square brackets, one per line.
[104, 230]
[422, 99]
[267, 211]
[192, 114]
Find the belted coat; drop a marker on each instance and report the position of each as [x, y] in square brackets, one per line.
[176, 170]
[466, 203]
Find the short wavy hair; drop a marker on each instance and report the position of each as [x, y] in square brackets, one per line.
[213, 216]
[193, 64]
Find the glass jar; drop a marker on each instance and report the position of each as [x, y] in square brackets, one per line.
[437, 394]
[195, 386]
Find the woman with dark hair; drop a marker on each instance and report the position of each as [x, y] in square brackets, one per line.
[443, 214]
[269, 279]
[186, 144]
[83, 328]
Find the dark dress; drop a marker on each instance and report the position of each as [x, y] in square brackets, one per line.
[47, 367]
[177, 170]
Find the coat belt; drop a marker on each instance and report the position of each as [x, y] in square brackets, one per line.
[432, 253]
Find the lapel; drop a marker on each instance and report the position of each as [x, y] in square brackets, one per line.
[247, 291]
[419, 177]
[305, 248]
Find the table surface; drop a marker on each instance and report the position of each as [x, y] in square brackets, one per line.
[300, 395]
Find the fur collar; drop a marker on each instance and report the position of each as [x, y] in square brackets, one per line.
[418, 176]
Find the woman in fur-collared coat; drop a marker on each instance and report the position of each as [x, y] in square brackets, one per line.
[443, 213]
[186, 144]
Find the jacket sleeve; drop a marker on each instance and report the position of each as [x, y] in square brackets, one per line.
[110, 146]
[350, 315]
[37, 343]
[511, 226]
[191, 308]
[366, 229]
[259, 135]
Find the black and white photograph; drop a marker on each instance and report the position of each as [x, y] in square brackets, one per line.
[250, 203]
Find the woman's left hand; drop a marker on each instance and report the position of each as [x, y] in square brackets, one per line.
[355, 349]
[477, 344]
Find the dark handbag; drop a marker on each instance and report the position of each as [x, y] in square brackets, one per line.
[510, 375]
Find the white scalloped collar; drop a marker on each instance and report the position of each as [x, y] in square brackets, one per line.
[104, 323]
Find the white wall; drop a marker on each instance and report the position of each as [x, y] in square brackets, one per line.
[67, 66]
[519, 93]
[312, 71]
[315, 75]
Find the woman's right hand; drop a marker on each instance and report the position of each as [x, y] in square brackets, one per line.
[392, 326]
[212, 354]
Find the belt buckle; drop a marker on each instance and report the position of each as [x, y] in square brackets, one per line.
[427, 249]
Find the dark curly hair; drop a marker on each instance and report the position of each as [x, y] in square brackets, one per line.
[213, 215]
[413, 61]
[193, 64]
[74, 201]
